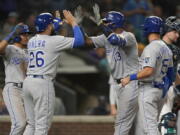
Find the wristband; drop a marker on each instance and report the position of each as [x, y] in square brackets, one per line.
[133, 77]
[8, 37]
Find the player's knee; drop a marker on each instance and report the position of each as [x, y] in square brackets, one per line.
[31, 124]
[20, 125]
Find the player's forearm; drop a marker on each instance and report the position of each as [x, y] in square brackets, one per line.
[105, 29]
[3, 45]
[146, 72]
[78, 37]
[88, 41]
[177, 81]
[5, 41]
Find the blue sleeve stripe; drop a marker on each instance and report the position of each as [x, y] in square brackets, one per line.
[78, 37]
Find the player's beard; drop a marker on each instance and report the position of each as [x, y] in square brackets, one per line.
[24, 45]
[53, 33]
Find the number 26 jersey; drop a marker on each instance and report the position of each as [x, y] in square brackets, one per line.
[43, 53]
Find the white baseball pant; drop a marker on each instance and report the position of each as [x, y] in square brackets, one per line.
[127, 107]
[13, 99]
[150, 104]
[39, 99]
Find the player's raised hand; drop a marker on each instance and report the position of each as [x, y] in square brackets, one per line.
[97, 15]
[125, 81]
[96, 18]
[78, 13]
[18, 28]
[15, 30]
[57, 22]
[57, 14]
[69, 18]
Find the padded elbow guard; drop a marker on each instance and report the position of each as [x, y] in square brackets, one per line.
[116, 40]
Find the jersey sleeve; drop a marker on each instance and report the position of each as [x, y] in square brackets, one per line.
[26, 59]
[149, 57]
[8, 51]
[99, 41]
[130, 39]
[63, 43]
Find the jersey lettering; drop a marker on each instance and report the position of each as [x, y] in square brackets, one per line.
[36, 44]
[15, 60]
[36, 59]
[116, 55]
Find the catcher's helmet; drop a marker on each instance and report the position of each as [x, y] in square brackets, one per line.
[168, 122]
[42, 21]
[152, 24]
[114, 19]
[171, 23]
[22, 30]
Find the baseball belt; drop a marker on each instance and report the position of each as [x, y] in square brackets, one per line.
[41, 77]
[118, 80]
[19, 85]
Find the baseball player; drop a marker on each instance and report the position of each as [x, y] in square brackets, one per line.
[170, 35]
[43, 51]
[155, 77]
[122, 55]
[15, 61]
[79, 14]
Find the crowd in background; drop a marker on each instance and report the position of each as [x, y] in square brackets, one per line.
[135, 11]
[12, 12]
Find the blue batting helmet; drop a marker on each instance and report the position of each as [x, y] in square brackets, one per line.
[23, 29]
[42, 21]
[152, 24]
[114, 19]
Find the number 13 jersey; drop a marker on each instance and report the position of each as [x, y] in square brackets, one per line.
[123, 60]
